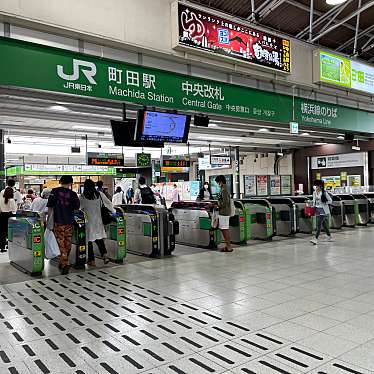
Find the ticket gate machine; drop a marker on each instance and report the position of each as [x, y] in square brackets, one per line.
[150, 230]
[370, 197]
[286, 215]
[195, 223]
[349, 210]
[362, 209]
[115, 241]
[26, 242]
[238, 228]
[337, 212]
[77, 257]
[260, 218]
[305, 223]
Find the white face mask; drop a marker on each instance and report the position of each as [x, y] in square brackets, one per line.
[314, 188]
[205, 187]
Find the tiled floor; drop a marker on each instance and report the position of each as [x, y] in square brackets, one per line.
[279, 307]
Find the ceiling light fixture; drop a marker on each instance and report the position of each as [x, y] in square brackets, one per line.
[320, 143]
[58, 108]
[80, 127]
[340, 137]
[335, 2]
[305, 134]
[263, 130]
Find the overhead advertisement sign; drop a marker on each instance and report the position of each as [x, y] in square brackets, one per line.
[220, 161]
[346, 160]
[49, 169]
[105, 159]
[220, 36]
[214, 162]
[342, 71]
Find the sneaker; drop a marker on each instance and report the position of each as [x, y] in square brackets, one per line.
[91, 263]
[106, 259]
[65, 270]
[314, 241]
[330, 239]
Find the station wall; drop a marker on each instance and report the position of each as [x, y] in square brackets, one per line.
[140, 32]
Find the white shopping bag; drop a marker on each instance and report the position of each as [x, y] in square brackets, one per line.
[52, 249]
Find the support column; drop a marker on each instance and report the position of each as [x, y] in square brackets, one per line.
[2, 161]
[237, 172]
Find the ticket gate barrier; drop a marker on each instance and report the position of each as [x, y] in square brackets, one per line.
[115, 241]
[336, 212]
[260, 219]
[238, 226]
[370, 197]
[195, 223]
[350, 210]
[362, 209]
[305, 222]
[150, 230]
[286, 215]
[26, 242]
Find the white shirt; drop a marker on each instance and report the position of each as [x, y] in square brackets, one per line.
[117, 198]
[17, 196]
[39, 205]
[138, 194]
[11, 206]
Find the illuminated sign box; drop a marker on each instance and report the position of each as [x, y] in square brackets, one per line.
[340, 71]
[105, 159]
[208, 32]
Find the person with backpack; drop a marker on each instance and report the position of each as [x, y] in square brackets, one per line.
[321, 202]
[144, 194]
[225, 212]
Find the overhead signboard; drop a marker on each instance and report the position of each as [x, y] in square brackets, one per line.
[221, 36]
[220, 161]
[341, 71]
[49, 169]
[346, 160]
[105, 159]
[61, 71]
[294, 128]
[144, 160]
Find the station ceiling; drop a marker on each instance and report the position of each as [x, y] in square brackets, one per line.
[291, 17]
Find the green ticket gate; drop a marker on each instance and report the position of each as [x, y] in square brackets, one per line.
[337, 212]
[305, 222]
[195, 223]
[115, 241]
[370, 196]
[286, 215]
[26, 242]
[259, 219]
[350, 210]
[238, 224]
[362, 209]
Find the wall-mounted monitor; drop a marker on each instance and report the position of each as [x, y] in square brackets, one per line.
[162, 127]
[124, 134]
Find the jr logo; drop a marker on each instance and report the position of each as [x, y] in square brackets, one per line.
[87, 68]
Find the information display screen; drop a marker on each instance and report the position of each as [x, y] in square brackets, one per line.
[162, 127]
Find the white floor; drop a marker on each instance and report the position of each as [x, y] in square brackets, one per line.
[278, 307]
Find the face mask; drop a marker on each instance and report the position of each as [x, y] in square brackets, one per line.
[205, 187]
[314, 188]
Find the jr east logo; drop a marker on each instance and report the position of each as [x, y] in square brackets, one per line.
[88, 69]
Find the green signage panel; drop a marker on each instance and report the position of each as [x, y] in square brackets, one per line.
[35, 66]
[143, 160]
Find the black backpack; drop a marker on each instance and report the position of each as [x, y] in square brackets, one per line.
[148, 196]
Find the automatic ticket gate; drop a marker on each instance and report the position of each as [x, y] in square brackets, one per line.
[115, 242]
[349, 210]
[370, 197]
[362, 209]
[26, 242]
[286, 215]
[305, 222]
[150, 230]
[195, 223]
[239, 230]
[336, 212]
[260, 219]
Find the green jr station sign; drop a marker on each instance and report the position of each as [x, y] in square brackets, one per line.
[34, 66]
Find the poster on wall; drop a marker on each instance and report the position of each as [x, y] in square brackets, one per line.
[194, 189]
[286, 188]
[250, 185]
[220, 36]
[275, 185]
[332, 182]
[262, 185]
[354, 180]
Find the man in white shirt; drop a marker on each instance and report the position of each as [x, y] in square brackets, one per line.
[17, 195]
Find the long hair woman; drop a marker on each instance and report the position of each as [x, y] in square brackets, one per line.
[8, 207]
[321, 202]
[91, 202]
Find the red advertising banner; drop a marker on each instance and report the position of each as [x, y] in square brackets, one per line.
[208, 32]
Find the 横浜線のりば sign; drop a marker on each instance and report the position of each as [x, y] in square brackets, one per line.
[34, 66]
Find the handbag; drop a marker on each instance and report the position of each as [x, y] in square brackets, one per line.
[51, 248]
[106, 214]
[309, 210]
